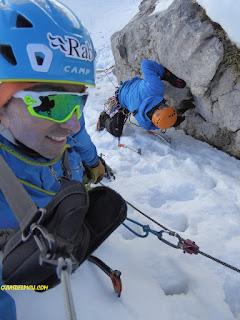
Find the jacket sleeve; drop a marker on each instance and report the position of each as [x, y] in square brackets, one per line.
[85, 146]
[151, 71]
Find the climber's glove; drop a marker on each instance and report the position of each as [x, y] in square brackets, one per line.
[95, 172]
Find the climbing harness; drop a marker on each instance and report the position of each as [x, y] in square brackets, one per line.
[112, 106]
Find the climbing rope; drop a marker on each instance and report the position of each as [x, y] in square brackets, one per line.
[106, 73]
[187, 245]
[104, 70]
[110, 80]
[64, 269]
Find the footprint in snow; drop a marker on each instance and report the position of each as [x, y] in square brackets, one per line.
[173, 194]
[171, 278]
[177, 222]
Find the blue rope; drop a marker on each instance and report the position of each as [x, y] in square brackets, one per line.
[145, 228]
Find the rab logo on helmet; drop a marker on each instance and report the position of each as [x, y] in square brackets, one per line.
[71, 47]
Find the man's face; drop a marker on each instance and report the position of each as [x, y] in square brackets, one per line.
[44, 136]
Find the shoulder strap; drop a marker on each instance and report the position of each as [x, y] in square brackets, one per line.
[23, 207]
[20, 202]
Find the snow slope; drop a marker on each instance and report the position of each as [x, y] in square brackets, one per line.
[187, 186]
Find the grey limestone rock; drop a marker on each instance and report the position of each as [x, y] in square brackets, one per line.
[185, 40]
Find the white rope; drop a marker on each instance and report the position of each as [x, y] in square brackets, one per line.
[64, 268]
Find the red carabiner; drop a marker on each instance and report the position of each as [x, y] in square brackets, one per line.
[190, 247]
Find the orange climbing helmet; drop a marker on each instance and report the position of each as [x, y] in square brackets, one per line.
[165, 117]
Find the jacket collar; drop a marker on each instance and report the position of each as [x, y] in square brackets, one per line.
[7, 135]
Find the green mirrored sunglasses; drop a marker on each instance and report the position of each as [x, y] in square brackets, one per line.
[53, 105]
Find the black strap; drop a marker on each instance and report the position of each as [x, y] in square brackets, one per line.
[134, 112]
[67, 172]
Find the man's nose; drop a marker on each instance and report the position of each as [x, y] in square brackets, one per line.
[71, 124]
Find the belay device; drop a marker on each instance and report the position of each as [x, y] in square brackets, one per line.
[72, 225]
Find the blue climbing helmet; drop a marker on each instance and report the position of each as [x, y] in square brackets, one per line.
[43, 41]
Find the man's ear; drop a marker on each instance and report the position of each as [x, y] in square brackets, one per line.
[3, 117]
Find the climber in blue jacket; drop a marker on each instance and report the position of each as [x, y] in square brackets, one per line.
[144, 98]
[46, 63]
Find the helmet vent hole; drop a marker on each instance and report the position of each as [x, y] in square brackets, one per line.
[22, 22]
[7, 53]
[39, 58]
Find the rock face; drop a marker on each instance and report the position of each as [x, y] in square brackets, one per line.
[185, 41]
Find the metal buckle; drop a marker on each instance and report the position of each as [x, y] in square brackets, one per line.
[26, 234]
[44, 240]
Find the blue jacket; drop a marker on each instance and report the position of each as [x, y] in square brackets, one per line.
[40, 179]
[143, 95]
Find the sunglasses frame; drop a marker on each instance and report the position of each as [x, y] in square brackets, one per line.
[31, 99]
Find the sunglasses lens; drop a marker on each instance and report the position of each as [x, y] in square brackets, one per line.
[60, 106]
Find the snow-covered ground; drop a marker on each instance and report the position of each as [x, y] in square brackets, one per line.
[188, 186]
